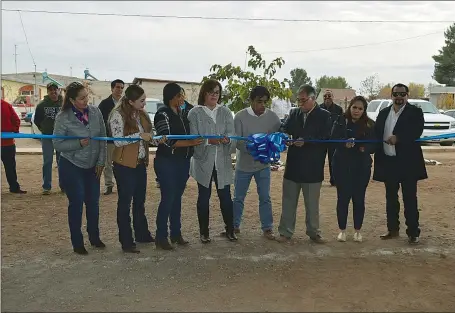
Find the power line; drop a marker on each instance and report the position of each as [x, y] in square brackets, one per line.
[231, 18]
[26, 39]
[354, 46]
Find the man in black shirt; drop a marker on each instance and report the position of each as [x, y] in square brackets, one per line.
[335, 112]
[106, 107]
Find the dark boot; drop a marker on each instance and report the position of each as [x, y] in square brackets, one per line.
[390, 235]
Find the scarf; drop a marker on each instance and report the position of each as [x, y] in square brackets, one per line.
[81, 116]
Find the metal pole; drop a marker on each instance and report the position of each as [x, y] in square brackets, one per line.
[35, 96]
[15, 58]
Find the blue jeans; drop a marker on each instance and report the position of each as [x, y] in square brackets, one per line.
[48, 156]
[242, 184]
[172, 173]
[132, 186]
[81, 186]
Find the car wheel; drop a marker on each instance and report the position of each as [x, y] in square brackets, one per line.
[446, 143]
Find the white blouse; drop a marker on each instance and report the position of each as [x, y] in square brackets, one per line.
[117, 125]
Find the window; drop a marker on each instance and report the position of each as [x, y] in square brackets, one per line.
[450, 113]
[153, 106]
[426, 106]
[373, 105]
[384, 105]
[27, 93]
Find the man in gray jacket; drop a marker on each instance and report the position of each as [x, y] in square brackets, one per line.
[253, 120]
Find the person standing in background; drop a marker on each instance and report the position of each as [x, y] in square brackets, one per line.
[106, 107]
[11, 124]
[45, 114]
[254, 120]
[335, 112]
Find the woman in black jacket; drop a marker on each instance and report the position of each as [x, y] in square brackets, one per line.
[352, 164]
[172, 165]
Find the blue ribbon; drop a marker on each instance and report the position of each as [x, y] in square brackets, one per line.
[266, 148]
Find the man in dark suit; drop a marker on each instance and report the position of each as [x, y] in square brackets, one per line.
[304, 171]
[106, 107]
[399, 161]
[335, 112]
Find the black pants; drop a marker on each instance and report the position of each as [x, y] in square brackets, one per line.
[203, 205]
[411, 212]
[9, 163]
[131, 186]
[352, 187]
[330, 152]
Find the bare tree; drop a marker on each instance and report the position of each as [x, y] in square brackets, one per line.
[370, 87]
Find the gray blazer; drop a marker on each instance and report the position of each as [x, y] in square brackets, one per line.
[67, 124]
[203, 159]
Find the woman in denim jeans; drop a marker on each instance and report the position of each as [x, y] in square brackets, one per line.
[81, 162]
[130, 161]
[172, 164]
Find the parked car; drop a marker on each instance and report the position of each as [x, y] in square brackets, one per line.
[450, 113]
[435, 122]
[151, 107]
[18, 111]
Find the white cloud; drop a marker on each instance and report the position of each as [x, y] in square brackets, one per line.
[184, 49]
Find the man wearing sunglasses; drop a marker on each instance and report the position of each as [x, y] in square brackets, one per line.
[335, 112]
[305, 162]
[399, 161]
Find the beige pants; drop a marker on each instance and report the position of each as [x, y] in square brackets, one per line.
[108, 173]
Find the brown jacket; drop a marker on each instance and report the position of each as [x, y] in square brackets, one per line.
[128, 155]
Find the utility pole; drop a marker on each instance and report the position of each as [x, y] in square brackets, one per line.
[35, 95]
[15, 58]
[71, 71]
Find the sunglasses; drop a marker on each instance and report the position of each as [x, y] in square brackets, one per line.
[399, 94]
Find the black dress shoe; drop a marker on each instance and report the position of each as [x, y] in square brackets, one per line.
[146, 240]
[413, 240]
[80, 250]
[163, 244]
[179, 240]
[98, 244]
[131, 249]
[205, 239]
[390, 235]
[231, 236]
[108, 191]
[19, 191]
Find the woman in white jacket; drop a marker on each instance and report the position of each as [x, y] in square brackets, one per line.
[212, 160]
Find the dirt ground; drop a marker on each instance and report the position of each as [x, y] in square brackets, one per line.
[41, 273]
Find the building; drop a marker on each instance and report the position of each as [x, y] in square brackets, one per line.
[154, 88]
[442, 97]
[15, 88]
[341, 97]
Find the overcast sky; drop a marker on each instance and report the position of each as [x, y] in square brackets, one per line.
[177, 49]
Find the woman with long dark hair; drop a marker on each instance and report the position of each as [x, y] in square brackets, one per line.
[130, 161]
[352, 164]
[172, 165]
[81, 162]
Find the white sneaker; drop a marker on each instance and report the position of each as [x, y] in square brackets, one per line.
[341, 236]
[357, 237]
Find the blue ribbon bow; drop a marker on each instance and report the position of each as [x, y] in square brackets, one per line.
[266, 148]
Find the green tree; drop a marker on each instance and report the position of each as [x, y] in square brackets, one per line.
[444, 68]
[338, 82]
[385, 92]
[240, 82]
[299, 77]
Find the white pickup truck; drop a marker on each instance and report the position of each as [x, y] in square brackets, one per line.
[435, 122]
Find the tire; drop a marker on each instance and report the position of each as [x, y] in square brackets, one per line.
[446, 143]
